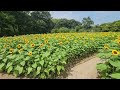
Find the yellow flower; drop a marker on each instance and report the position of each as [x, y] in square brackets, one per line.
[60, 43]
[46, 41]
[41, 45]
[11, 50]
[105, 47]
[26, 41]
[115, 52]
[30, 53]
[118, 42]
[19, 46]
[32, 45]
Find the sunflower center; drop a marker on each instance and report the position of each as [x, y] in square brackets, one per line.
[115, 52]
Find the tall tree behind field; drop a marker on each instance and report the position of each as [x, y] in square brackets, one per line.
[42, 22]
[25, 22]
[87, 23]
[7, 24]
[58, 23]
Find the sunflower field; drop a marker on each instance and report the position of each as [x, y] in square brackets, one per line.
[46, 55]
[110, 54]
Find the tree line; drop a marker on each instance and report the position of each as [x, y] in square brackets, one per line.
[37, 22]
[25, 22]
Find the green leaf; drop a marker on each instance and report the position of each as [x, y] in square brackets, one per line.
[29, 70]
[34, 65]
[62, 67]
[59, 68]
[41, 62]
[8, 65]
[21, 56]
[5, 60]
[27, 58]
[50, 63]
[52, 69]
[19, 69]
[15, 50]
[1, 56]
[104, 55]
[118, 69]
[37, 59]
[115, 75]
[47, 71]
[115, 63]
[64, 62]
[37, 56]
[12, 57]
[38, 70]
[42, 76]
[9, 69]
[1, 66]
[15, 73]
[46, 54]
[22, 63]
[101, 67]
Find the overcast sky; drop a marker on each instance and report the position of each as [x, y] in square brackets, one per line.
[97, 16]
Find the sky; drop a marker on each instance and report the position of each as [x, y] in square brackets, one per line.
[98, 17]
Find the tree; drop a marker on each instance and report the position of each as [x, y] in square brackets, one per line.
[7, 26]
[58, 23]
[42, 21]
[87, 23]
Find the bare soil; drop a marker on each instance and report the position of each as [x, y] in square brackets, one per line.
[86, 69]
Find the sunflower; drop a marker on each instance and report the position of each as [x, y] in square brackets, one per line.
[46, 41]
[11, 50]
[26, 41]
[30, 53]
[105, 47]
[18, 46]
[115, 52]
[118, 42]
[60, 43]
[32, 45]
[41, 45]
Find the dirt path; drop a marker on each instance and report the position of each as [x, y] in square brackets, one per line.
[86, 69]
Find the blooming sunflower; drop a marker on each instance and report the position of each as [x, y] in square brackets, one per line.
[46, 41]
[106, 46]
[18, 46]
[41, 45]
[30, 53]
[11, 50]
[32, 45]
[115, 52]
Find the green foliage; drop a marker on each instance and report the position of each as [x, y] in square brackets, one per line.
[59, 23]
[47, 55]
[25, 22]
[115, 76]
[111, 66]
[87, 22]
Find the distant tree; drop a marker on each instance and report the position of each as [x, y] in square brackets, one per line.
[87, 23]
[58, 23]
